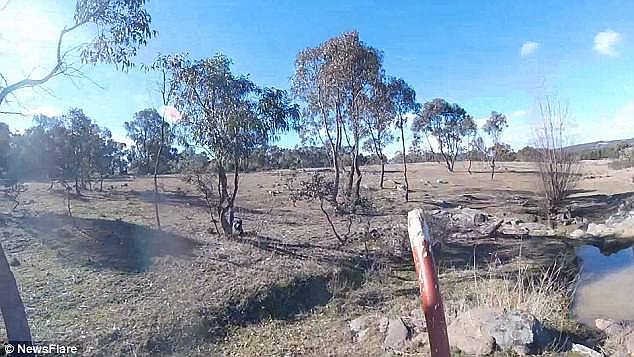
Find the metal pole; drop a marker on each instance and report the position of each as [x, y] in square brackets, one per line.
[431, 300]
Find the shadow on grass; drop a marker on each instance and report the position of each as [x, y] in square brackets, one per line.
[277, 302]
[107, 244]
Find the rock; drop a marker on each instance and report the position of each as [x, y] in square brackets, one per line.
[538, 229]
[382, 324]
[14, 262]
[518, 331]
[578, 233]
[360, 323]
[478, 331]
[584, 351]
[396, 336]
[440, 181]
[419, 340]
[614, 328]
[620, 334]
[363, 334]
[467, 332]
[417, 317]
[468, 217]
[600, 230]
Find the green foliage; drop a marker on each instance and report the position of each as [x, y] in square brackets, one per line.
[118, 28]
[149, 131]
[448, 123]
[70, 148]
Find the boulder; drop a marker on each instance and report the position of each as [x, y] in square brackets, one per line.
[468, 334]
[518, 331]
[396, 336]
[478, 331]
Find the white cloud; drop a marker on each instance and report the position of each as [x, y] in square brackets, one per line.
[528, 48]
[624, 119]
[605, 41]
[518, 114]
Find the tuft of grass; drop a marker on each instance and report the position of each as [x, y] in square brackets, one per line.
[545, 292]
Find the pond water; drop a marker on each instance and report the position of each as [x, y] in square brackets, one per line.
[606, 285]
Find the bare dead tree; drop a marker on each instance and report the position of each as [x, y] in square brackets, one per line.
[558, 167]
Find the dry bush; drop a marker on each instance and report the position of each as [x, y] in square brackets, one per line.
[558, 167]
[322, 190]
[621, 164]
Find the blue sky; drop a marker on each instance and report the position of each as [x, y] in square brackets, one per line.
[484, 55]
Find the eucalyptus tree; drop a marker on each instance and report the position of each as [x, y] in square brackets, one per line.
[379, 119]
[229, 117]
[448, 123]
[494, 127]
[403, 99]
[164, 65]
[334, 80]
[117, 28]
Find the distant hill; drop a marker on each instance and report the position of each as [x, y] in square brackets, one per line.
[600, 145]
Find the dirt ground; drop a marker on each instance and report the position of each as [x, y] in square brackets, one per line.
[107, 281]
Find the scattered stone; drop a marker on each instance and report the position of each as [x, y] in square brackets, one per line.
[440, 181]
[396, 336]
[578, 233]
[14, 262]
[468, 217]
[585, 351]
[360, 323]
[600, 230]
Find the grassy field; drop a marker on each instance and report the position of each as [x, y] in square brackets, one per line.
[107, 281]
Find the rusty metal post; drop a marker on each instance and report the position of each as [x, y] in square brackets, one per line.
[420, 241]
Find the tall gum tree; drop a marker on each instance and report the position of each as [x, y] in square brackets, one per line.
[403, 98]
[334, 80]
[229, 117]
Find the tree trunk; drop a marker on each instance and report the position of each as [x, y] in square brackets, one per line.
[77, 186]
[351, 173]
[335, 159]
[469, 168]
[404, 163]
[156, 166]
[492, 168]
[11, 305]
[224, 214]
[357, 189]
[382, 172]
